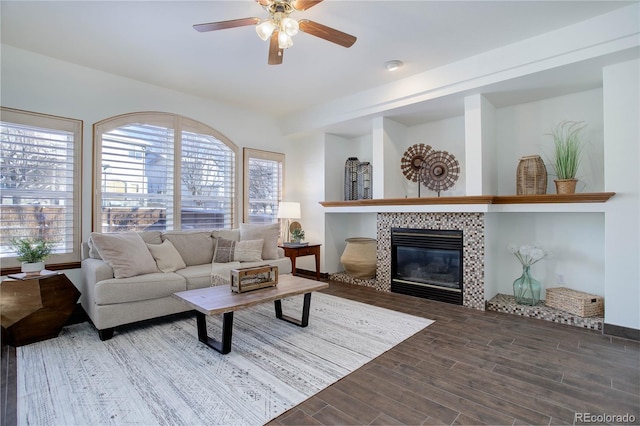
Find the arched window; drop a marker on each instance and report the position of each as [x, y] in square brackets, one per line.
[159, 171]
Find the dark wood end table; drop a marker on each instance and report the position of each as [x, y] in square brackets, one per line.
[293, 252]
[36, 309]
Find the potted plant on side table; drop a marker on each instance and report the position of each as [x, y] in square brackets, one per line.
[567, 155]
[32, 253]
[297, 235]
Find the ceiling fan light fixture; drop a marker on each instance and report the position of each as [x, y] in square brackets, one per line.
[289, 26]
[265, 29]
[284, 40]
[393, 65]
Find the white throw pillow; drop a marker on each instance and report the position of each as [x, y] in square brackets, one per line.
[248, 251]
[268, 233]
[126, 253]
[167, 257]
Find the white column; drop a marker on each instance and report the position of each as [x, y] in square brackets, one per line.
[621, 101]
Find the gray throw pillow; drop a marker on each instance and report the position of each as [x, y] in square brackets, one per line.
[239, 251]
[224, 251]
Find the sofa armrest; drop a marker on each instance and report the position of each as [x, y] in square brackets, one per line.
[94, 271]
[280, 252]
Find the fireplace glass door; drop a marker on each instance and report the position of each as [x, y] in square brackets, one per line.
[427, 263]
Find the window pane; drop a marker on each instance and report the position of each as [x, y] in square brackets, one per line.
[207, 182]
[263, 185]
[38, 168]
[137, 178]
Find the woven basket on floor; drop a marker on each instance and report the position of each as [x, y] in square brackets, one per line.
[576, 302]
[531, 176]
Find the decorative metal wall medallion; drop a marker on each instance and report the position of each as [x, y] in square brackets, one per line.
[412, 160]
[440, 171]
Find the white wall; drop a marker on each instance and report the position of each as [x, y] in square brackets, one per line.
[622, 156]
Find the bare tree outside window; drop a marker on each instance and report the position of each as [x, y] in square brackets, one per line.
[263, 182]
[39, 182]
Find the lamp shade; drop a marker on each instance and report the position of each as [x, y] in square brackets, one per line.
[288, 210]
[265, 29]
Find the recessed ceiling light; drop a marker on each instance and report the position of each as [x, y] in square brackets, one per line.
[393, 65]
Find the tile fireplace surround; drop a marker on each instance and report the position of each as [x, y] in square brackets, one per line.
[472, 227]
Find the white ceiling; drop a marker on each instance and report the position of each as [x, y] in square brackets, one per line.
[153, 41]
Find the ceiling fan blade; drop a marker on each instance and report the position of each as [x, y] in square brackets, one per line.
[327, 33]
[275, 53]
[301, 5]
[223, 25]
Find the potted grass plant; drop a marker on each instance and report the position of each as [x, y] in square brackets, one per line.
[567, 154]
[32, 253]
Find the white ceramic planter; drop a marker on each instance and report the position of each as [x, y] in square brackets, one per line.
[32, 268]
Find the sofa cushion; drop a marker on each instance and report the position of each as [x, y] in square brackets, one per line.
[167, 257]
[227, 234]
[195, 247]
[125, 252]
[198, 276]
[268, 233]
[149, 237]
[143, 287]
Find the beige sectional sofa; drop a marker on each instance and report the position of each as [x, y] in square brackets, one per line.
[130, 277]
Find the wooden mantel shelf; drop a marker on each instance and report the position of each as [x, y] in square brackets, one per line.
[590, 197]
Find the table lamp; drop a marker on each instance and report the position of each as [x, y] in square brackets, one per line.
[288, 210]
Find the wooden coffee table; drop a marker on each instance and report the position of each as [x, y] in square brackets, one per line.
[221, 300]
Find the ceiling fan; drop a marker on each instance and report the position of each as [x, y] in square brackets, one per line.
[280, 27]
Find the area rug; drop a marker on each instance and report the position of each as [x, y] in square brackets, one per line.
[158, 373]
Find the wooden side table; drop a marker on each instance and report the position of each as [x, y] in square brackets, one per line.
[293, 252]
[36, 309]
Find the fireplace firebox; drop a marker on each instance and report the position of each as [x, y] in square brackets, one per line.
[427, 263]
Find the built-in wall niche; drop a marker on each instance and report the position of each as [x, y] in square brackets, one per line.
[524, 129]
[442, 135]
[339, 227]
[576, 241]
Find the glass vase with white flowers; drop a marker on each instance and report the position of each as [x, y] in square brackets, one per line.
[526, 289]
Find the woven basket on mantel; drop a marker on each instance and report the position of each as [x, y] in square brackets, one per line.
[531, 176]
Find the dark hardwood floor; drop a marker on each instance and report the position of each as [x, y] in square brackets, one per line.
[469, 367]
[473, 367]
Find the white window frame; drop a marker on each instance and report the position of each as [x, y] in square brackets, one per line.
[248, 154]
[70, 251]
[179, 124]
